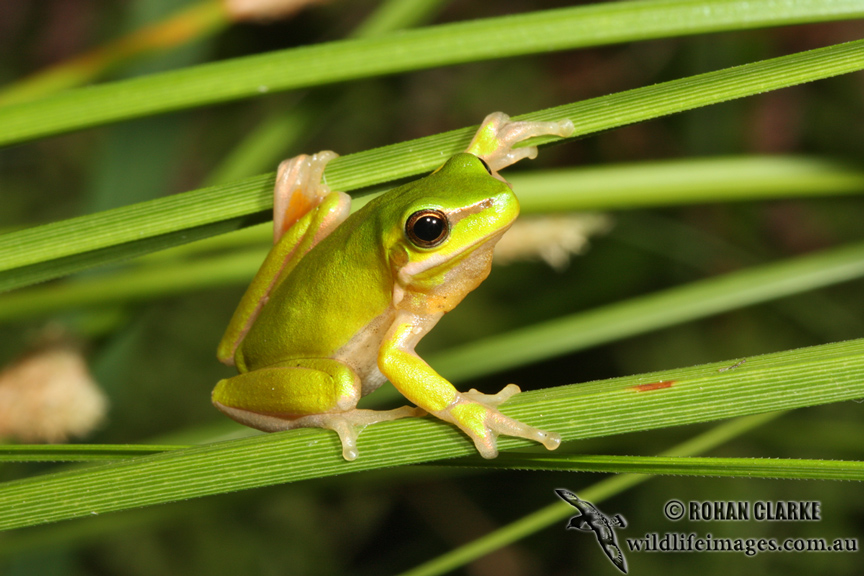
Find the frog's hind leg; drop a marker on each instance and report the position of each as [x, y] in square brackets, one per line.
[347, 425]
[304, 213]
[305, 393]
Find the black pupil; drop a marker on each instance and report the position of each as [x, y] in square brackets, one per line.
[429, 228]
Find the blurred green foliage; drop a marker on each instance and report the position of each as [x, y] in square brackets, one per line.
[156, 360]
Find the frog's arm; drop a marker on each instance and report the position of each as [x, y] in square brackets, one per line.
[297, 187]
[474, 413]
[497, 135]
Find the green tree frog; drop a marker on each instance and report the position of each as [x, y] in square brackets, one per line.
[341, 300]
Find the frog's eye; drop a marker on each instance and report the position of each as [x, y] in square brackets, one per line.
[427, 228]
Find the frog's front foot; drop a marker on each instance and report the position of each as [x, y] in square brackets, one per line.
[497, 135]
[477, 415]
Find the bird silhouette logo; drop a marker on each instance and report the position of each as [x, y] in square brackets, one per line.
[590, 519]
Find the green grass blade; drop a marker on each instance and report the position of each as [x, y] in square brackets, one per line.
[266, 145]
[79, 452]
[393, 15]
[648, 102]
[688, 181]
[698, 394]
[785, 468]
[49, 251]
[136, 284]
[424, 48]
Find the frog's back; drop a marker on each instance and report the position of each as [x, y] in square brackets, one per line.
[338, 289]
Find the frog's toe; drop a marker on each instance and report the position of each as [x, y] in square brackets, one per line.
[349, 424]
[486, 446]
[483, 423]
[501, 424]
[493, 400]
[550, 440]
[347, 432]
[497, 424]
[497, 135]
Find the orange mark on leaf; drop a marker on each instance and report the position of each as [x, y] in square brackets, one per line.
[651, 386]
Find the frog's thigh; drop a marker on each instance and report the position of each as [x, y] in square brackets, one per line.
[309, 393]
[288, 390]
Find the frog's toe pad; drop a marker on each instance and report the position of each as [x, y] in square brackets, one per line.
[501, 424]
[497, 135]
[476, 414]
